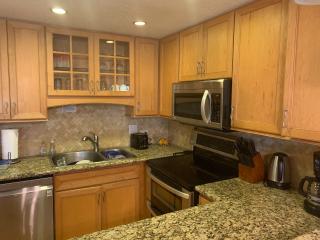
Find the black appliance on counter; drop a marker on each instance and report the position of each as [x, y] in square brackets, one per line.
[312, 194]
[173, 179]
[139, 141]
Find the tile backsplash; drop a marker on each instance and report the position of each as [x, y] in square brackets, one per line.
[300, 153]
[109, 122]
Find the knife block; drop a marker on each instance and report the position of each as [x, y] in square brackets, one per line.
[252, 174]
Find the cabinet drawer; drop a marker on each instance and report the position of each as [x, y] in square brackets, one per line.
[95, 177]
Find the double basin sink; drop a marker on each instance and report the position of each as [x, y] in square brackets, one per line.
[72, 158]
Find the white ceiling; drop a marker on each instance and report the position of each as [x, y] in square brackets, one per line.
[163, 17]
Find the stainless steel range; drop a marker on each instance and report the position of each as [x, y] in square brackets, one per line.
[172, 180]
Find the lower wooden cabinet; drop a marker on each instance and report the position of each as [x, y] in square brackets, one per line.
[77, 212]
[120, 203]
[203, 200]
[90, 201]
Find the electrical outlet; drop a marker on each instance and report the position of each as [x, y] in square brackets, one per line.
[68, 109]
[133, 129]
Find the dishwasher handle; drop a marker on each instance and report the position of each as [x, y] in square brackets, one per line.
[28, 190]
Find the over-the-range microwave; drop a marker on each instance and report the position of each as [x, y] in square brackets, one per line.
[203, 103]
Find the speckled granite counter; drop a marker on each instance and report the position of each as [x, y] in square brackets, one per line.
[239, 211]
[315, 235]
[42, 166]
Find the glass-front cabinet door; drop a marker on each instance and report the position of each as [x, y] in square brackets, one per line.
[70, 63]
[114, 65]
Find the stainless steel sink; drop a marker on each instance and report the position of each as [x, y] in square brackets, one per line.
[71, 158]
[116, 153]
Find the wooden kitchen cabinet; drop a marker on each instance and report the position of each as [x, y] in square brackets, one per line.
[190, 53]
[302, 114]
[70, 62]
[77, 212]
[114, 65]
[27, 70]
[147, 84]
[259, 50]
[169, 72]
[218, 47]
[203, 200]
[4, 73]
[93, 200]
[206, 50]
[120, 203]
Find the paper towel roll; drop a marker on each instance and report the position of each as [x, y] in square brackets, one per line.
[9, 143]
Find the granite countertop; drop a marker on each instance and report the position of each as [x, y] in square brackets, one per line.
[42, 166]
[239, 211]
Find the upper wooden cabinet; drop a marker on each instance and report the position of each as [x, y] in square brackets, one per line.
[147, 85]
[70, 62]
[218, 47]
[206, 50]
[27, 71]
[114, 65]
[302, 73]
[259, 49]
[4, 73]
[169, 72]
[190, 53]
[87, 64]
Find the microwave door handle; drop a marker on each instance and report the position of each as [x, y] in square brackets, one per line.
[206, 116]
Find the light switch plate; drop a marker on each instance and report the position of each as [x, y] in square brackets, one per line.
[133, 129]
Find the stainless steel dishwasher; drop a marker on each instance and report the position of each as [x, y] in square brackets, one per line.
[26, 210]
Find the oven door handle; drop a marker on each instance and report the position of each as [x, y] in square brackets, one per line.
[153, 213]
[169, 188]
[206, 117]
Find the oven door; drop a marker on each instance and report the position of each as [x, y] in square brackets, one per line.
[165, 198]
[199, 107]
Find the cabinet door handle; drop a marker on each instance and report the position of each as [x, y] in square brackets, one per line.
[285, 119]
[231, 114]
[198, 68]
[103, 196]
[6, 108]
[203, 67]
[98, 198]
[14, 109]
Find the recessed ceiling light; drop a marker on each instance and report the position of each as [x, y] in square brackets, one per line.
[58, 10]
[110, 41]
[139, 23]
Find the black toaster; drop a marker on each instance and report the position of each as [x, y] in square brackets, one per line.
[139, 141]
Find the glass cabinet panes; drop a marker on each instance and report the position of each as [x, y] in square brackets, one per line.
[106, 65]
[80, 63]
[106, 83]
[71, 63]
[122, 49]
[114, 65]
[80, 82]
[80, 45]
[122, 66]
[61, 43]
[61, 62]
[106, 47]
[62, 81]
[123, 82]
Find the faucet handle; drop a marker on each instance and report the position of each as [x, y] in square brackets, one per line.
[95, 137]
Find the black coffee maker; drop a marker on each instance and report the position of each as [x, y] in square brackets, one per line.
[312, 193]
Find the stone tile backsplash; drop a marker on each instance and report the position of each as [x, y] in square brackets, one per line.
[109, 122]
[300, 153]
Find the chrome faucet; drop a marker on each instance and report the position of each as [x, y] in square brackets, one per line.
[94, 141]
